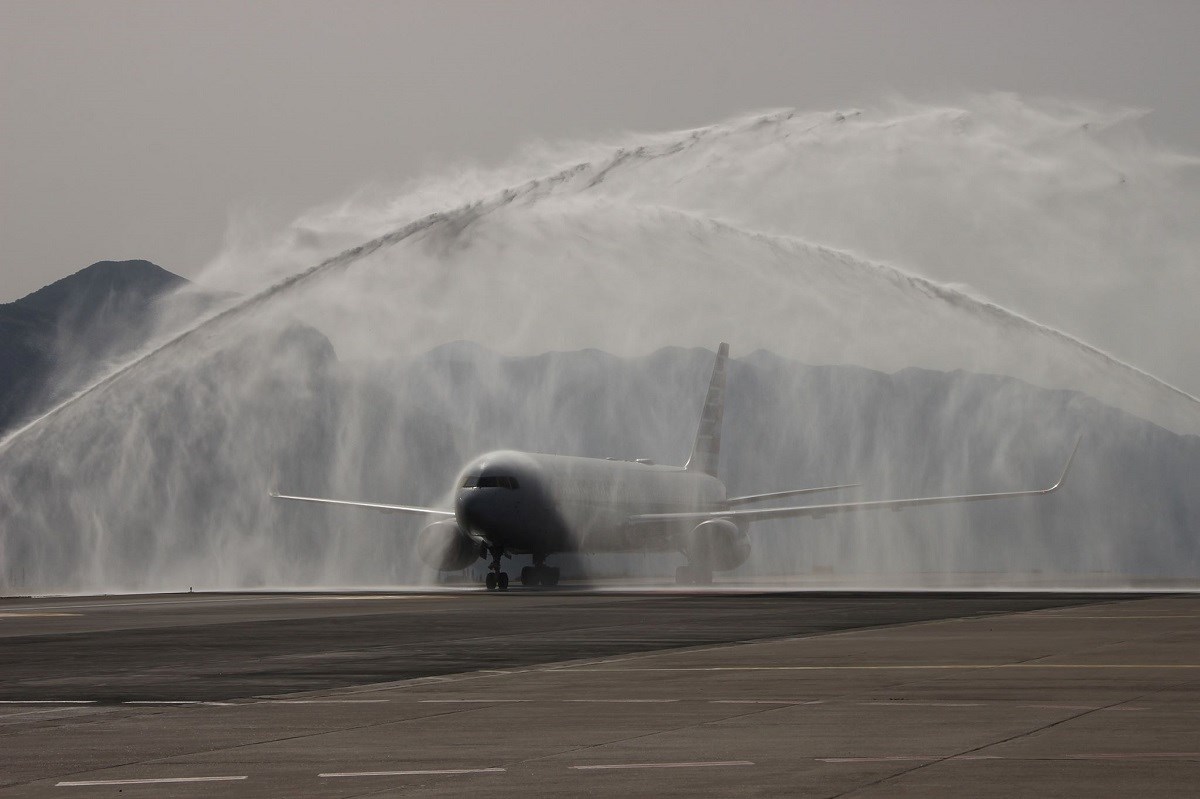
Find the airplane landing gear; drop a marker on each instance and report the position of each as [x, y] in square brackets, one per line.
[496, 579]
[539, 573]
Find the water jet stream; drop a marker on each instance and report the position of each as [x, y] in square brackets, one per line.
[775, 232]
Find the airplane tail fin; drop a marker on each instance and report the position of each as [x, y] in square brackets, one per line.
[707, 449]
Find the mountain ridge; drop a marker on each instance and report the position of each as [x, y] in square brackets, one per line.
[54, 338]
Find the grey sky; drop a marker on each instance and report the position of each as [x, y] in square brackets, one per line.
[137, 129]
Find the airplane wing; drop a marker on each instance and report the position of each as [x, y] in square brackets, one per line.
[382, 508]
[762, 514]
[749, 498]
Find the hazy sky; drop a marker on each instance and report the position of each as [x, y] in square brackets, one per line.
[139, 129]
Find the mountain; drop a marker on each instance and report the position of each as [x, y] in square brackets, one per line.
[52, 340]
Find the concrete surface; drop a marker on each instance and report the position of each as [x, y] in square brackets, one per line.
[573, 692]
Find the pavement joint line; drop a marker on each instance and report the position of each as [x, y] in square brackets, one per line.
[320, 701]
[723, 645]
[411, 772]
[767, 701]
[575, 665]
[43, 710]
[1134, 756]
[904, 772]
[1043, 758]
[908, 758]
[468, 701]
[908, 703]
[898, 667]
[1068, 617]
[146, 781]
[694, 764]
[809, 636]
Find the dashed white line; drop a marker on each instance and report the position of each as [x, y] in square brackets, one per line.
[412, 772]
[154, 781]
[47, 701]
[624, 701]
[695, 764]
[32, 614]
[174, 702]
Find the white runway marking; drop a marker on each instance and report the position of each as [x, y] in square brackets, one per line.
[697, 764]
[174, 702]
[47, 701]
[414, 772]
[155, 781]
[32, 614]
[623, 701]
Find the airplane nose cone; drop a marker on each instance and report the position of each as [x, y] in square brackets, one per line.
[470, 509]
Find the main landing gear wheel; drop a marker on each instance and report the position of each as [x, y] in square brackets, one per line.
[502, 581]
[540, 574]
[490, 581]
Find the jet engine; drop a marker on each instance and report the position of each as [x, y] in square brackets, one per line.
[445, 547]
[717, 544]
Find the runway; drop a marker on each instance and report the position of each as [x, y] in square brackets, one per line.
[560, 693]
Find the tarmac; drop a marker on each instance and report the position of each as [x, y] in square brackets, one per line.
[553, 693]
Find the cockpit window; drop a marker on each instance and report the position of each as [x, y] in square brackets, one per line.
[497, 481]
[471, 481]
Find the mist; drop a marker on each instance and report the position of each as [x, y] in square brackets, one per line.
[1041, 244]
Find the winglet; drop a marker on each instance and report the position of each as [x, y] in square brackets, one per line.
[1066, 468]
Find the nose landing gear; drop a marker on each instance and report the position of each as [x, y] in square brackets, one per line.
[496, 579]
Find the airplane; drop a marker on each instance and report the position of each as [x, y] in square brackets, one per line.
[525, 503]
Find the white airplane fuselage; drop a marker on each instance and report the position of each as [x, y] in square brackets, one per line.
[531, 503]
